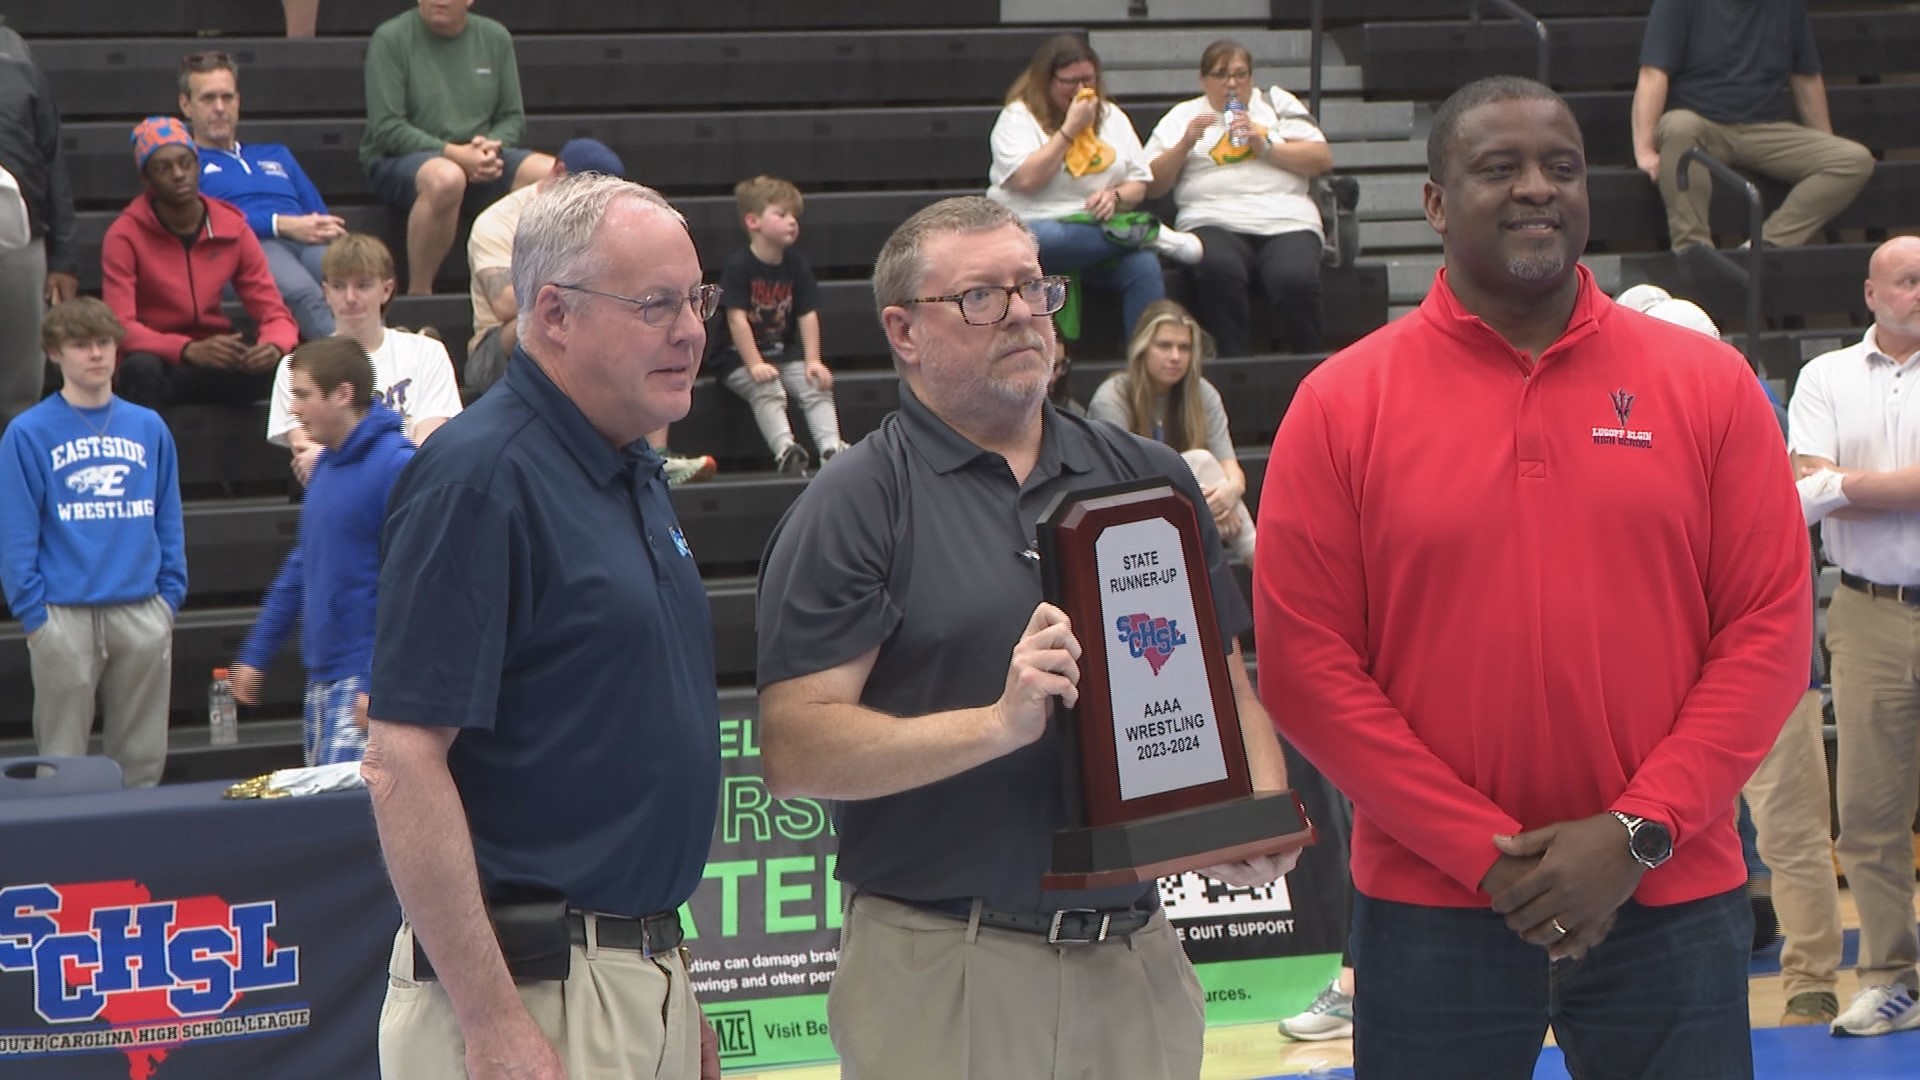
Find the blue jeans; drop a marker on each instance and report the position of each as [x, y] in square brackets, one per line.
[1078, 246]
[1446, 993]
[296, 273]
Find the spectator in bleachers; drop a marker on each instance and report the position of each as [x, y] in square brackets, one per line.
[1067, 160]
[164, 264]
[1719, 76]
[92, 550]
[773, 324]
[1060, 387]
[330, 578]
[1856, 443]
[283, 208]
[490, 260]
[44, 270]
[1162, 396]
[444, 123]
[1248, 203]
[412, 374]
[1489, 525]
[495, 308]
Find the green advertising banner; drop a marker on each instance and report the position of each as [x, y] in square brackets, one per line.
[764, 926]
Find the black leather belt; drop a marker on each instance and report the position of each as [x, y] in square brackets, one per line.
[1068, 926]
[650, 936]
[1906, 594]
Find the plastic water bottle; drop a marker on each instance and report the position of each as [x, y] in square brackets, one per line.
[1236, 111]
[223, 716]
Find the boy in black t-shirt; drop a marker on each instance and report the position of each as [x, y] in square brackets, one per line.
[773, 324]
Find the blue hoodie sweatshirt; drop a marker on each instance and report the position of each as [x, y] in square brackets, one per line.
[89, 509]
[330, 578]
[262, 179]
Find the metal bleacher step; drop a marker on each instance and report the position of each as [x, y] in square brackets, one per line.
[1124, 49]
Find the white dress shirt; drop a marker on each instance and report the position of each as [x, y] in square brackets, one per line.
[1860, 409]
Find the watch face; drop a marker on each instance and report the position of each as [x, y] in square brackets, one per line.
[1651, 844]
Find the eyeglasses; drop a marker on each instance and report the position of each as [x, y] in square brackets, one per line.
[1236, 75]
[660, 309]
[984, 305]
[1084, 80]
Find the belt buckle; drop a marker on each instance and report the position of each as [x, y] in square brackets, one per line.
[1053, 930]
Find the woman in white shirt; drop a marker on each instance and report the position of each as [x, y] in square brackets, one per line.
[1248, 204]
[1161, 396]
[1036, 176]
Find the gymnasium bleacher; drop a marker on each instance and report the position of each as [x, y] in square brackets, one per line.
[876, 109]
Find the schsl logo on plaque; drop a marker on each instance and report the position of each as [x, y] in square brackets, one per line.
[1163, 768]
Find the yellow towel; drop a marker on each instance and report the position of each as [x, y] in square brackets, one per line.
[1225, 153]
[1088, 154]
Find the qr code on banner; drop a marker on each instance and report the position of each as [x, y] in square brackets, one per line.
[1190, 896]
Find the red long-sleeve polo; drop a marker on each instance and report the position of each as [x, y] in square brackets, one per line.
[1493, 595]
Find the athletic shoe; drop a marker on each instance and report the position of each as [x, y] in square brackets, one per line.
[831, 451]
[1811, 1007]
[1878, 1010]
[1329, 1017]
[686, 470]
[793, 461]
[1181, 247]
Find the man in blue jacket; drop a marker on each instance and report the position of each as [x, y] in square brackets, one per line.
[92, 552]
[282, 206]
[331, 576]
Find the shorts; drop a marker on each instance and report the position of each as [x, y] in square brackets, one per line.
[391, 178]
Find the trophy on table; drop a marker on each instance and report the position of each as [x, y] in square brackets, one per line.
[1162, 765]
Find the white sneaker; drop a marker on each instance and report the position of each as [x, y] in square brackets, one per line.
[1329, 1017]
[1181, 247]
[1879, 1010]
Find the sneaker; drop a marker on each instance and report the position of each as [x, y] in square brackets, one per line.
[686, 470]
[1811, 1007]
[1329, 1017]
[793, 461]
[1181, 247]
[831, 451]
[1878, 1010]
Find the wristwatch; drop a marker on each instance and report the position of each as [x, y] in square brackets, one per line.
[1648, 842]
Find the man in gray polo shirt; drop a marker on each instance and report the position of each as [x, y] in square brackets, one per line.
[890, 600]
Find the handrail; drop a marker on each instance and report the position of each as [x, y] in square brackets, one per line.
[1544, 42]
[1750, 275]
[1316, 24]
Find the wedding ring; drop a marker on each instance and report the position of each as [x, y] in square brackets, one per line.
[1561, 930]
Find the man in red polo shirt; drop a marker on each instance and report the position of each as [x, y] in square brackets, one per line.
[1530, 587]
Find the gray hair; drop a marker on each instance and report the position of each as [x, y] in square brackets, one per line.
[554, 243]
[902, 264]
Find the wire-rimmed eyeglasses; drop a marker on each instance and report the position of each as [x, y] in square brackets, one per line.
[660, 309]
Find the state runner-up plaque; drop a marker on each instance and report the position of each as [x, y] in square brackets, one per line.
[1163, 769]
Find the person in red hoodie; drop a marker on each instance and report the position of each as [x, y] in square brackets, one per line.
[1530, 587]
[165, 264]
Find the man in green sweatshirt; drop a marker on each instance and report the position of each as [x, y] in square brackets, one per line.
[444, 121]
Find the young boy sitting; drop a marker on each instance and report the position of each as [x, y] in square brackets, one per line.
[329, 580]
[773, 326]
[92, 550]
[412, 374]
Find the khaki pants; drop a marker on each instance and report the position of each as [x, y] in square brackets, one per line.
[1826, 172]
[1788, 797]
[117, 660]
[619, 1016]
[1876, 705]
[925, 996]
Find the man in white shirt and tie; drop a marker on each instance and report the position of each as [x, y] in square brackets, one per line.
[1855, 434]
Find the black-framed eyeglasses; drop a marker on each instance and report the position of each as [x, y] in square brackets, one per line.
[1084, 80]
[660, 309]
[984, 305]
[1236, 75]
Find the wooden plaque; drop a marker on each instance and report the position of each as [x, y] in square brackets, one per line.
[1163, 767]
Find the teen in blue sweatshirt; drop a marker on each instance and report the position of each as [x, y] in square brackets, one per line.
[283, 207]
[92, 553]
[330, 578]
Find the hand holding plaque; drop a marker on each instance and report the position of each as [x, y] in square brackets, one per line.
[1163, 768]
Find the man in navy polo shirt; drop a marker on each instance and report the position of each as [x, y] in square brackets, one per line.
[543, 752]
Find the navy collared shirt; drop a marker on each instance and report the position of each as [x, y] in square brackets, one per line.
[535, 592]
